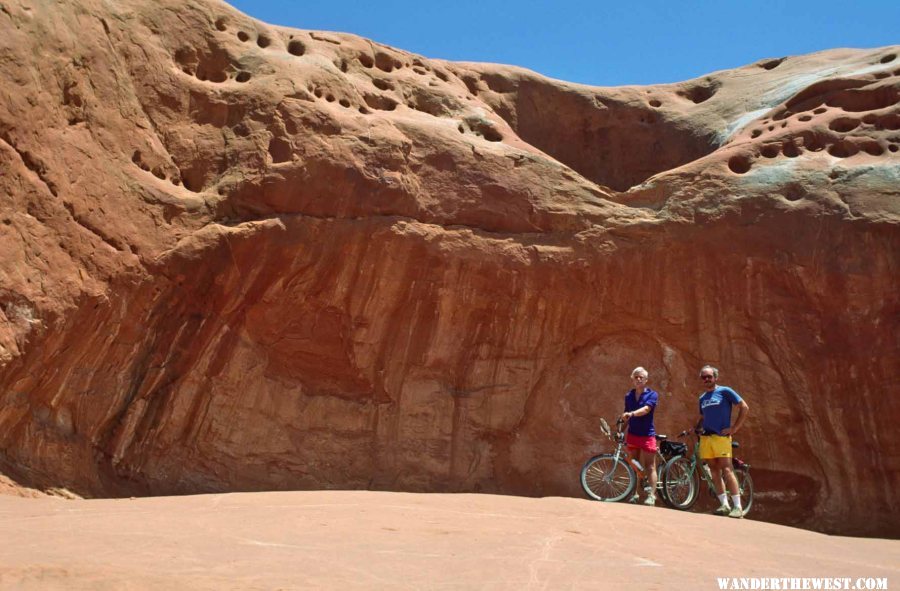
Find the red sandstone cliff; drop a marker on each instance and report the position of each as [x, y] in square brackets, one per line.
[242, 257]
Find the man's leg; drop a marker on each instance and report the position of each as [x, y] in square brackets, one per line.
[717, 468]
[648, 459]
[724, 466]
[633, 453]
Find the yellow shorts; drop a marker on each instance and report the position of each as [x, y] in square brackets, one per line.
[715, 446]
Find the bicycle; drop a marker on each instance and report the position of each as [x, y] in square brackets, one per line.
[681, 478]
[610, 477]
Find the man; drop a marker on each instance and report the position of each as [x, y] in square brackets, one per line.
[640, 440]
[716, 404]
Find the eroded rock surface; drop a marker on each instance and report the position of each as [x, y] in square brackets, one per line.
[242, 257]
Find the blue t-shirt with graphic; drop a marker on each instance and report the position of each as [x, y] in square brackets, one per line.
[715, 406]
[641, 426]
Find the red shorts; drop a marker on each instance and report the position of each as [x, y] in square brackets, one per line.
[642, 443]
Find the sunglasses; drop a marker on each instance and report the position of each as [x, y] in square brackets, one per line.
[704, 378]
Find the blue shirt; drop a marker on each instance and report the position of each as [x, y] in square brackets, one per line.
[641, 426]
[715, 406]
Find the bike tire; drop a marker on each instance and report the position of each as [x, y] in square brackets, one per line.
[606, 478]
[745, 486]
[681, 485]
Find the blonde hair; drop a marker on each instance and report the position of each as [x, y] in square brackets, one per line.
[640, 370]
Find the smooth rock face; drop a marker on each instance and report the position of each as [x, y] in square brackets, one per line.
[242, 257]
[389, 540]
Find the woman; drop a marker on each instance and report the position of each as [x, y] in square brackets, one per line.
[640, 439]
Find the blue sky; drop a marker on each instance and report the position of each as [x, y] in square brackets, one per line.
[600, 43]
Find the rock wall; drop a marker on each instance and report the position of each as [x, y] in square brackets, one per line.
[242, 257]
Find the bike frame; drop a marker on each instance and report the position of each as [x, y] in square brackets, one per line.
[706, 475]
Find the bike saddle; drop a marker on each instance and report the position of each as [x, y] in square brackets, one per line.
[661, 437]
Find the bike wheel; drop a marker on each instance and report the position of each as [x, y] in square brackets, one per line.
[745, 486]
[680, 483]
[606, 478]
[660, 489]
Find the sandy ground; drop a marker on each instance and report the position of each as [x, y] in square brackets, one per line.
[370, 540]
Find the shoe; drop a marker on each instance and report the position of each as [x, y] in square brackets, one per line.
[736, 513]
[650, 501]
[723, 510]
[633, 500]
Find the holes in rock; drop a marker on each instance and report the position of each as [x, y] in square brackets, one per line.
[771, 127]
[655, 103]
[318, 93]
[136, 157]
[419, 71]
[158, 173]
[805, 118]
[888, 58]
[344, 67]
[882, 76]
[364, 110]
[866, 99]
[739, 164]
[699, 93]
[814, 144]
[427, 102]
[385, 62]
[330, 98]
[755, 133]
[793, 192]
[382, 84]
[869, 119]
[366, 60]
[820, 110]
[782, 115]
[471, 84]
[843, 124]
[381, 103]
[891, 122]
[771, 64]
[242, 76]
[344, 103]
[843, 149]
[263, 41]
[873, 148]
[220, 25]
[482, 127]
[790, 149]
[295, 47]
[243, 36]
[770, 150]
[461, 129]
[892, 147]
[441, 75]
[280, 150]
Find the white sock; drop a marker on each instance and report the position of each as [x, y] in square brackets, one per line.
[736, 500]
[723, 499]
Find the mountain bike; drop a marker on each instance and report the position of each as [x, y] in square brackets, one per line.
[681, 478]
[611, 477]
